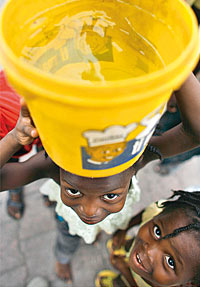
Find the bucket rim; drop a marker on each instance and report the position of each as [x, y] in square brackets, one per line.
[40, 78]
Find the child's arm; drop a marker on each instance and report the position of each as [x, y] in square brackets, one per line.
[20, 173]
[120, 264]
[184, 136]
[119, 236]
[23, 134]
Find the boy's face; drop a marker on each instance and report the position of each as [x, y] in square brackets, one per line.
[94, 198]
[166, 262]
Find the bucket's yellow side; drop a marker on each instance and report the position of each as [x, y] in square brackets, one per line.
[100, 129]
[53, 112]
[69, 146]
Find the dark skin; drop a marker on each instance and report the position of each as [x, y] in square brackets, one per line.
[93, 200]
[186, 135]
[105, 196]
[119, 236]
[179, 139]
[165, 262]
[161, 262]
[109, 193]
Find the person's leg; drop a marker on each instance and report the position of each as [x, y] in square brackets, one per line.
[15, 202]
[65, 247]
[47, 201]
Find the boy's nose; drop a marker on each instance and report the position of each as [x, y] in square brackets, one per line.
[89, 210]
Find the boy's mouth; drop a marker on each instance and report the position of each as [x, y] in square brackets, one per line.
[90, 220]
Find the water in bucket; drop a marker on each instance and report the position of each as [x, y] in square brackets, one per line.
[96, 44]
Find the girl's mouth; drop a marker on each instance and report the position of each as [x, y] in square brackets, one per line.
[139, 262]
[138, 259]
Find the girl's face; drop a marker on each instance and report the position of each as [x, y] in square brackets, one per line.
[166, 262]
[94, 198]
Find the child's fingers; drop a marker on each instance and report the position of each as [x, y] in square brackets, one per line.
[30, 131]
[34, 133]
[24, 109]
[22, 101]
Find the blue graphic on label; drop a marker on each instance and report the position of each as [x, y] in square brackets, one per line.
[110, 148]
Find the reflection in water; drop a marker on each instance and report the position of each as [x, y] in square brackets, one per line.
[94, 44]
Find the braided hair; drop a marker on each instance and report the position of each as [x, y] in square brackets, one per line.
[189, 202]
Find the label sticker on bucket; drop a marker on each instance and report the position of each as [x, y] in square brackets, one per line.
[110, 147]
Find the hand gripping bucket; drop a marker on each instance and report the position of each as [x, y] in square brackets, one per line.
[96, 74]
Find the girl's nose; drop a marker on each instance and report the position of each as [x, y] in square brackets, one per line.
[154, 252]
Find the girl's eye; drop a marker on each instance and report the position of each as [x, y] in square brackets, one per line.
[110, 196]
[73, 192]
[170, 262]
[157, 231]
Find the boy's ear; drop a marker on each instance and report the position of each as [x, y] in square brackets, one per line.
[140, 163]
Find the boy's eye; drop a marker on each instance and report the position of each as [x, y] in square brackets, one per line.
[110, 196]
[72, 192]
[170, 262]
[157, 231]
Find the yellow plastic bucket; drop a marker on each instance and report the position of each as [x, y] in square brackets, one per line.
[96, 74]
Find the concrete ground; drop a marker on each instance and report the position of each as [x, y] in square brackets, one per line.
[26, 246]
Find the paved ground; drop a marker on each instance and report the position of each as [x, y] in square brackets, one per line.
[26, 245]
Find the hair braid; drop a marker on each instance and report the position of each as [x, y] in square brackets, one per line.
[189, 202]
[192, 226]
